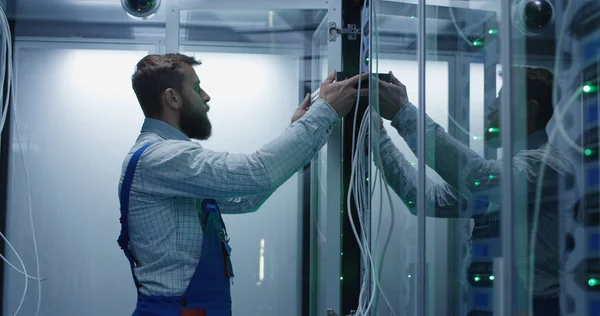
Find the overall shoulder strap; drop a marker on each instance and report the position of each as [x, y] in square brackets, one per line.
[123, 239]
[210, 206]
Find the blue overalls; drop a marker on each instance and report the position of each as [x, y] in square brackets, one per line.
[208, 293]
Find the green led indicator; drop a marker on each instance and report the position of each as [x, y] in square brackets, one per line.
[588, 152]
[477, 279]
[341, 254]
[588, 88]
[477, 43]
[411, 202]
[492, 177]
[492, 278]
[593, 282]
[412, 163]
[476, 137]
[409, 276]
[493, 130]
[477, 183]
[412, 17]
[493, 31]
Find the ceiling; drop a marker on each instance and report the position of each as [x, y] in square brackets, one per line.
[107, 19]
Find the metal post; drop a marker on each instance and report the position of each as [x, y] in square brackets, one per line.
[351, 263]
[172, 26]
[422, 155]
[506, 131]
[458, 235]
[333, 265]
[489, 76]
[255, 5]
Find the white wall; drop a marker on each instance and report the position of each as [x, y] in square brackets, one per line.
[78, 117]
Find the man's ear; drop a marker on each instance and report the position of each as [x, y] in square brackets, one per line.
[172, 99]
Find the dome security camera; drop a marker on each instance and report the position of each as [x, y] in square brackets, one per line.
[141, 9]
[533, 17]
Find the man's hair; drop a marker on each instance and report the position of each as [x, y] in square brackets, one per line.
[539, 84]
[156, 73]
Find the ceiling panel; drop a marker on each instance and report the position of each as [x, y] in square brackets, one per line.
[276, 26]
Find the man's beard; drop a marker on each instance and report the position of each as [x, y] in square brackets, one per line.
[195, 123]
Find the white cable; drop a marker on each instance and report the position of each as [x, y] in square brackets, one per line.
[357, 197]
[24, 273]
[35, 248]
[2, 78]
[361, 188]
[364, 252]
[351, 185]
[459, 31]
[382, 176]
[357, 167]
[364, 189]
[9, 101]
[362, 205]
[15, 268]
[5, 50]
[392, 213]
[376, 284]
[5, 110]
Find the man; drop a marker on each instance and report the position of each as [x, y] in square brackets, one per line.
[173, 191]
[469, 176]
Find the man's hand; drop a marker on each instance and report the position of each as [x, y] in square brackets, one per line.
[341, 95]
[392, 97]
[302, 108]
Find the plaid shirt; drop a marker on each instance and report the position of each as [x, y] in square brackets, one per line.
[469, 177]
[175, 174]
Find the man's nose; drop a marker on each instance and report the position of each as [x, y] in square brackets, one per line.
[205, 97]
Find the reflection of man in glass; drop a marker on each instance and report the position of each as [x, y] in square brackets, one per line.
[469, 176]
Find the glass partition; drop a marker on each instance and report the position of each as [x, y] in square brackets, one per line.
[256, 66]
[480, 162]
[394, 226]
[509, 93]
[325, 204]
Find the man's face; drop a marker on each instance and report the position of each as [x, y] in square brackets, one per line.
[193, 117]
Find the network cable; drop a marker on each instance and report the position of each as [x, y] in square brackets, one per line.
[360, 160]
[363, 160]
[363, 245]
[382, 176]
[6, 66]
